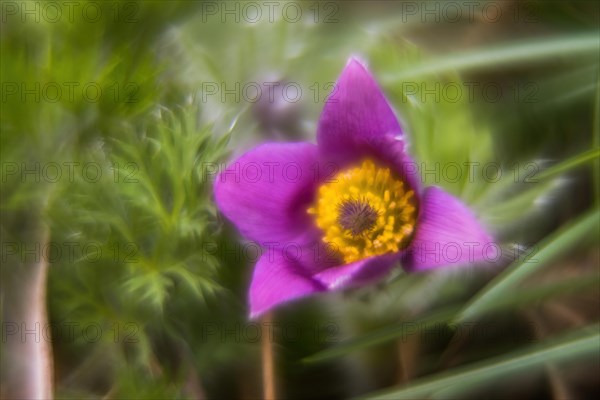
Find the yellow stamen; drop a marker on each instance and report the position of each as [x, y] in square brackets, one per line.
[364, 212]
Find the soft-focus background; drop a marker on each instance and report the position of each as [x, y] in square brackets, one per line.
[121, 280]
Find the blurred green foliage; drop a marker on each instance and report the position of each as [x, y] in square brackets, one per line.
[159, 276]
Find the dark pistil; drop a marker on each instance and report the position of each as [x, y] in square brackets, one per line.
[357, 216]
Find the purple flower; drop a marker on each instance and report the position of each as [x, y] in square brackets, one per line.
[343, 212]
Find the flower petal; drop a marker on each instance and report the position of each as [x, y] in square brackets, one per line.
[355, 113]
[277, 279]
[391, 151]
[267, 191]
[448, 234]
[357, 273]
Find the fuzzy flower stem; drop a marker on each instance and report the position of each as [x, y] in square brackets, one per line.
[27, 366]
[267, 361]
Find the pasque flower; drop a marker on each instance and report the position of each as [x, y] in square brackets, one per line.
[341, 213]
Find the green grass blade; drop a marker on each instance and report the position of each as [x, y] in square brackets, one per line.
[575, 345]
[550, 248]
[535, 294]
[406, 328]
[542, 183]
[501, 55]
[571, 163]
[400, 330]
[596, 143]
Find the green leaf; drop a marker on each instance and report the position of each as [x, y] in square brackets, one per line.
[570, 163]
[402, 329]
[503, 286]
[506, 54]
[574, 345]
[596, 143]
[541, 184]
[406, 328]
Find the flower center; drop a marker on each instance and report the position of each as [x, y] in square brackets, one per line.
[365, 211]
[356, 216]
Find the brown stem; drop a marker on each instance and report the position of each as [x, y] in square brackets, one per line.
[28, 347]
[408, 349]
[267, 360]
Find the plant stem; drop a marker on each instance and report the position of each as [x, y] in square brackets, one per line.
[267, 360]
[27, 351]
